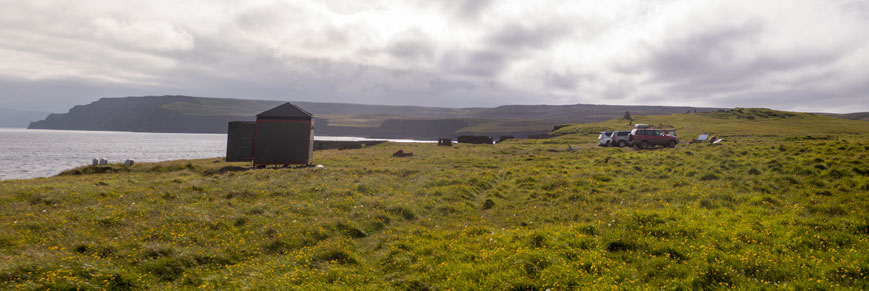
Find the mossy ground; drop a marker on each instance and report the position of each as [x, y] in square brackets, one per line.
[776, 206]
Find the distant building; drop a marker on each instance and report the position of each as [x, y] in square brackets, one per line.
[283, 135]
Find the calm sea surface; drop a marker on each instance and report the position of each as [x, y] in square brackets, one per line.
[28, 153]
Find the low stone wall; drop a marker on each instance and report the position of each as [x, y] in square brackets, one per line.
[475, 139]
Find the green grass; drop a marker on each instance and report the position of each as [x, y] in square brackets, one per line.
[782, 204]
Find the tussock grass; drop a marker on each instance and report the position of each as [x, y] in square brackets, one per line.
[782, 204]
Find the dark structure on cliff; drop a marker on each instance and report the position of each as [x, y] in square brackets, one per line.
[283, 135]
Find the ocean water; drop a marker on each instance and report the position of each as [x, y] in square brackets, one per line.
[28, 153]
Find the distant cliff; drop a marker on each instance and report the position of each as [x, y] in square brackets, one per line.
[147, 114]
[211, 115]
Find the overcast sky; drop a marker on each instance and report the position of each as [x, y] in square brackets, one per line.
[791, 55]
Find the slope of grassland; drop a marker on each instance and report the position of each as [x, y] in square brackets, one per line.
[737, 122]
[782, 204]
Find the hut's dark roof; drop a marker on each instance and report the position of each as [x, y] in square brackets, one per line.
[285, 111]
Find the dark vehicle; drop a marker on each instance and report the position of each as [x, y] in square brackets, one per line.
[646, 137]
[620, 138]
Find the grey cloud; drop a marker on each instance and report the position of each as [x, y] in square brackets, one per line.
[802, 97]
[806, 99]
[411, 50]
[568, 80]
[517, 36]
[727, 66]
[471, 9]
[478, 64]
[859, 8]
[412, 45]
[467, 11]
[449, 85]
[58, 95]
[266, 78]
[708, 55]
[508, 43]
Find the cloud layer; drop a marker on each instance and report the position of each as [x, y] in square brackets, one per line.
[799, 55]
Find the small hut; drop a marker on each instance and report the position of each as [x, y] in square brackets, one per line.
[284, 135]
[239, 141]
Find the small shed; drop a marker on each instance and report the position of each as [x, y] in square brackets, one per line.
[284, 135]
[239, 141]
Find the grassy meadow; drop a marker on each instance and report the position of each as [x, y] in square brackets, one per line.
[783, 203]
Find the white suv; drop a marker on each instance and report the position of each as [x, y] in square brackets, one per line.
[604, 138]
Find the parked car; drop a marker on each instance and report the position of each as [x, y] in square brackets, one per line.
[646, 137]
[604, 138]
[620, 138]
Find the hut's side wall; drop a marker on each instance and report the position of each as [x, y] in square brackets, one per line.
[311, 142]
[283, 142]
[239, 141]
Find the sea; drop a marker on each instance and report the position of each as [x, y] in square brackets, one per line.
[33, 153]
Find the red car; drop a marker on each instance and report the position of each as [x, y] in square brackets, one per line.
[646, 137]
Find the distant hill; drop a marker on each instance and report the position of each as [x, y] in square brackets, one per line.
[12, 118]
[852, 116]
[210, 115]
